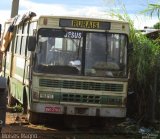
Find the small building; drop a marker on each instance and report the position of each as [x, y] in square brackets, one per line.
[153, 34]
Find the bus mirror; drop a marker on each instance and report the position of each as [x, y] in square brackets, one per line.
[31, 43]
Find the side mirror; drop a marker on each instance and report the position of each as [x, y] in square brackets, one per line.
[31, 43]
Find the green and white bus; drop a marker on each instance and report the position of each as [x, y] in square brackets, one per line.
[68, 66]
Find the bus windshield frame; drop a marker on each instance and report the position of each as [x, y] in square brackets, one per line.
[84, 53]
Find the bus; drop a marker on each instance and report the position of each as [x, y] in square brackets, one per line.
[70, 66]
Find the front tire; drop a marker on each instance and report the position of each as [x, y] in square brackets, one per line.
[33, 117]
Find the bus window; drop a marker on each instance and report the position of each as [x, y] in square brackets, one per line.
[58, 43]
[106, 55]
[20, 30]
[23, 46]
[25, 29]
[18, 45]
[58, 48]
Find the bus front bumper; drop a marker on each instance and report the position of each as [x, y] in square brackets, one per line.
[79, 110]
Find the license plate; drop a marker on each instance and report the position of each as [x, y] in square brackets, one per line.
[53, 109]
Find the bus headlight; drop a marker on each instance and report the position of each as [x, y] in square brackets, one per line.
[42, 95]
[50, 96]
[46, 96]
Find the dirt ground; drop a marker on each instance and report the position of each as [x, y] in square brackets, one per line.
[17, 126]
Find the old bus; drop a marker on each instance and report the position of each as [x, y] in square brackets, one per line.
[68, 66]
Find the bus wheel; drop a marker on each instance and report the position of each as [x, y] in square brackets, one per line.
[11, 99]
[33, 117]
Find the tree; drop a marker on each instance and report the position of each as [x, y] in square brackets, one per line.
[157, 25]
[143, 62]
[152, 9]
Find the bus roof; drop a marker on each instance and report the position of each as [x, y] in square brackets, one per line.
[80, 17]
[78, 22]
[68, 17]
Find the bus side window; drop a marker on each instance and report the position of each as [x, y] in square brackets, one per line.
[18, 40]
[17, 51]
[24, 39]
[23, 46]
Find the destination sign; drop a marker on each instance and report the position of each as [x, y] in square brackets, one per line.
[73, 35]
[87, 24]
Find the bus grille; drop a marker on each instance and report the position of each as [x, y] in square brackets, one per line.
[81, 98]
[81, 85]
[91, 99]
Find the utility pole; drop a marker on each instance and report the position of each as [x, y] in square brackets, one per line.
[15, 7]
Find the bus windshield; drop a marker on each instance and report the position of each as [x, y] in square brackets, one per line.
[81, 53]
[106, 54]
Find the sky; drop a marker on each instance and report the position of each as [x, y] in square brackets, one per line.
[85, 8]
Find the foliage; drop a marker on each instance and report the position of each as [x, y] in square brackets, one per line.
[18, 108]
[143, 61]
[145, 50]
[157, 25]
[151, 9]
